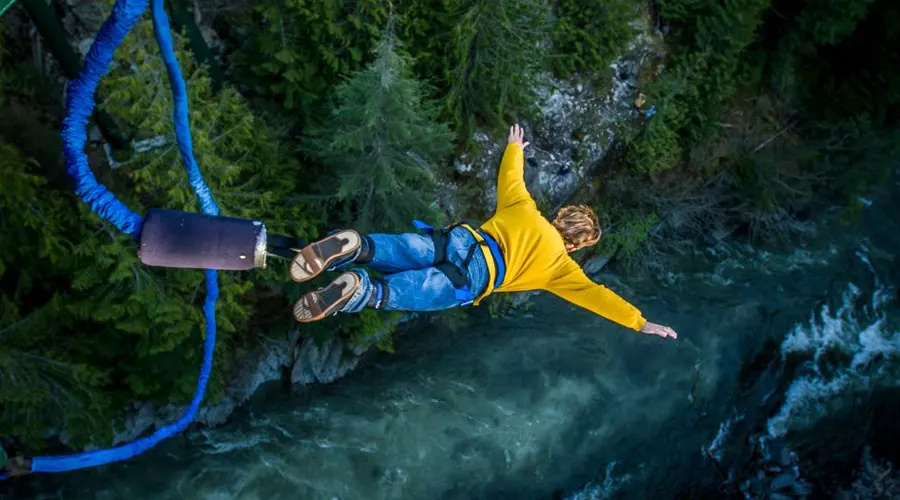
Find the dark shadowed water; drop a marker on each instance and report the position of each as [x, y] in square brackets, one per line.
[541, 404]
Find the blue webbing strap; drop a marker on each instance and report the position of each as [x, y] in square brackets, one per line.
[80, 104]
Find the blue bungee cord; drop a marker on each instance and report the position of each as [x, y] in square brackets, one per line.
[79, 106]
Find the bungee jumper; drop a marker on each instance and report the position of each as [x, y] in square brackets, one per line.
[517, 249]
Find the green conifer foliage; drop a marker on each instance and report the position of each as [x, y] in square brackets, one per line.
[427, 30]
[590, 34]
[41, 383]
[765, 95]
[497, 49]
[380, 143]
[304, 47]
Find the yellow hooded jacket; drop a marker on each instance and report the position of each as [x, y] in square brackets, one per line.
[534, 252]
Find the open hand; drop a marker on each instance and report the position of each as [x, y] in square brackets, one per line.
[517, 136]
[662, 331]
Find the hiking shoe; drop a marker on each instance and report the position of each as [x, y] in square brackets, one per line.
[318, 256]
[326, 301]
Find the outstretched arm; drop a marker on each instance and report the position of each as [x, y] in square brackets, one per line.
[511, 179]
[574, 286]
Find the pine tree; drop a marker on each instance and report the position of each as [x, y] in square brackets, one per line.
[427, 27]
[380, 142]
[590, 34]
[302, 48]
[497, 50]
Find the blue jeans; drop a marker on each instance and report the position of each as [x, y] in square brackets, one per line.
[414, 285]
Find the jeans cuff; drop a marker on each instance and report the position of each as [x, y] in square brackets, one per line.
[361, 296]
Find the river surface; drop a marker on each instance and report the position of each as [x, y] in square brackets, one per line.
[557, 402]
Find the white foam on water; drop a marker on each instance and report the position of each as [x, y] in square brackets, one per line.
[715, 447]
[223, 442]
[827, 331]
[611, 484]
[863, 345]
[805, 401]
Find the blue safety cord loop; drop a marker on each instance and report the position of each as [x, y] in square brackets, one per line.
[79, 106]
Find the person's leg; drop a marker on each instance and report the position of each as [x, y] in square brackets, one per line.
[385, 253]
[393, 253]
[426, 289]
[414, 290]
[419, 290]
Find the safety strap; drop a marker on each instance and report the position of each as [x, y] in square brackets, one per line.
[457, 274]
[381, 295]
[489, 260]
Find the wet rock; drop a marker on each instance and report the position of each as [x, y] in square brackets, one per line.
[785, 457]
[325, 363]
[802, 489]
[576, 125]
[213, 414]
[89, 14]
[461, 166]
[755, 488]
[136, 423]
[782, 482]
[267, 366]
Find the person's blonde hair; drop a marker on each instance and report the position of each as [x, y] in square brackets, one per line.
[578, 225]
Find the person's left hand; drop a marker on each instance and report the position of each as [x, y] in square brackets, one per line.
[517, 136]
[662, 331]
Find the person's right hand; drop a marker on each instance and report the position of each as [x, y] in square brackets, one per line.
[662, 331]
[517, 136]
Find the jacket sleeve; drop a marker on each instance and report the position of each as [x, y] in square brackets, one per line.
[571, 284]
[511, 178]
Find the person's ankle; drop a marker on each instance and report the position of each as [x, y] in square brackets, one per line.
[379, 295]
[366, 250]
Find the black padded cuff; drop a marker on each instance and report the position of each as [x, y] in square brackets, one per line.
[379, 300]
[366, 251]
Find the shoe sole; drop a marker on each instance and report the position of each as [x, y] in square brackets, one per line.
[316, 257]
[323, 302]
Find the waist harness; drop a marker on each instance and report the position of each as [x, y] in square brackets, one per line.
[458, 275]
